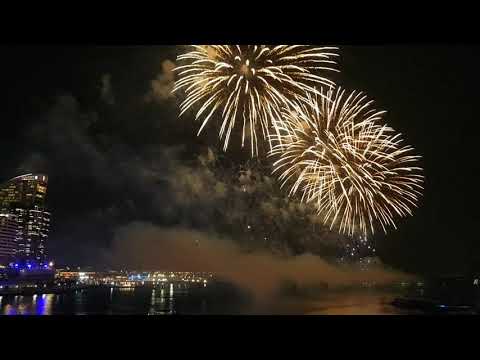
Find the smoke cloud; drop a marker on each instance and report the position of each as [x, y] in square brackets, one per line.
[106, 93]
[162, 86]
[145, 246]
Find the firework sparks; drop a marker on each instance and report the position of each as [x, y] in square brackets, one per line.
[249, 84]
[335, 153]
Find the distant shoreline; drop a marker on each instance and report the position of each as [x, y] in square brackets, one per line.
[29, 291]
[40, 291]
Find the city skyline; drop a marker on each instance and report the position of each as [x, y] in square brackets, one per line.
[108, 136]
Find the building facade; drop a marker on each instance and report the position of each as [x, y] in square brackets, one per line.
[24, 191]
[32, 234]
[8, 234]
[25, 197]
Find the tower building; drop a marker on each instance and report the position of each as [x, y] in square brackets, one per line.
[25, 198]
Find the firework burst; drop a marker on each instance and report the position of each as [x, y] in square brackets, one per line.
[249, 84]
[336, 154]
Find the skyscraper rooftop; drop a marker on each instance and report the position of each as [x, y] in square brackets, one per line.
[24, 191]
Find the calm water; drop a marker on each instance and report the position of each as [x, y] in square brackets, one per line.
[183, 299]
[171, 299]
[346, 303]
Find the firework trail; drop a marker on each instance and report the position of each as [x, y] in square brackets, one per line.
[249, 84]
[334, 152]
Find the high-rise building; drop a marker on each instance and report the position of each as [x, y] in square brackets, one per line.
[25, 197]
[8, 234]
[24, 191]
[32, 233]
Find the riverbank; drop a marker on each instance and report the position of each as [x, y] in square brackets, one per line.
[18, 290]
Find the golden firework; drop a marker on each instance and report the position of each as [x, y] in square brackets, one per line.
[249, 83]
[333, 151]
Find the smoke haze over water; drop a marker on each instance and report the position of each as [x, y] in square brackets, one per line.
[142, 245]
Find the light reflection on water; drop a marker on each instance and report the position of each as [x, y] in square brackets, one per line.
[161, 304]
[174, 299]
[27, 305]
[44, 304]
[355, 304]
[343, 302]
[169, 299]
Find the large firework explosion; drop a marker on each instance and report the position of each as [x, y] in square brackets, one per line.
[249, 83]
[335, 153]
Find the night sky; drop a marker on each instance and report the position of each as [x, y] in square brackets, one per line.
[90, 118]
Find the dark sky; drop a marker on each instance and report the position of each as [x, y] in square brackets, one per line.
[54, 109]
